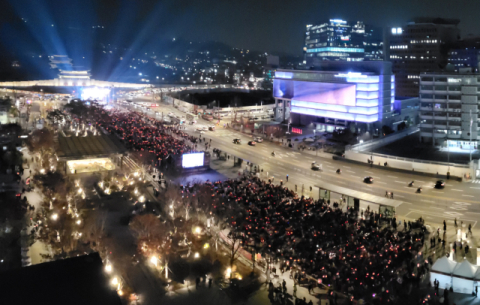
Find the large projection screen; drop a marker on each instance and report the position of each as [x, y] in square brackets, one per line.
[192, 160]
[325, 93]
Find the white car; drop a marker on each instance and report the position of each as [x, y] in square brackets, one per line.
[201, 132]
[258, 140]
[205, 128]
[170, 114]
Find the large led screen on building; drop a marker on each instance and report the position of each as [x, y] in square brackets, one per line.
[325, 93]
[192, 160]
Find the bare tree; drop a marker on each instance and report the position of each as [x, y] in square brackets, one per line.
[149, 232]
[41, 142]
[234, 245]
[173, 199]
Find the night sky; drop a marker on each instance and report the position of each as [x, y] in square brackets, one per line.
[263, 25]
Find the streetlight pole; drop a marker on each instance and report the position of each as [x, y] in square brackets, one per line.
[471, 123]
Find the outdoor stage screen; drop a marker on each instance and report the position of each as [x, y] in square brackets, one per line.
[192, 160]
[325, 93]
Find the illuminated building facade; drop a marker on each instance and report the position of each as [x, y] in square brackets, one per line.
[339, 40]
[336, 94]
[420, 46]
[449, 109]
[465, 54]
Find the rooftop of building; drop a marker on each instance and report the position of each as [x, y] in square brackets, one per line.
[433, 20]
[466, 43]
[367, 67]
[74, 281]
[88, 147]
[452, 73]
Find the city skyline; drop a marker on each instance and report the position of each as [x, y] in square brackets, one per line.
[253, 24]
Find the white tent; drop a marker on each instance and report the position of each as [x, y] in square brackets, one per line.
[442, 272]
[463, 277]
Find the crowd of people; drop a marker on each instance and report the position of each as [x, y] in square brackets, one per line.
[158, 143]
[364, 257]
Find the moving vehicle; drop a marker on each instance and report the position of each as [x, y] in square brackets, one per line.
[440, 184]
[211, 128]
[316, 166]
[237, 141]
[205, 128]
[252, 143]
[199, 129]
[258, 139]
[368, 180]
[411, 183]
[339, 171]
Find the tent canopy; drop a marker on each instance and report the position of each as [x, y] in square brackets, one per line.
[444, 265]
[465, 269]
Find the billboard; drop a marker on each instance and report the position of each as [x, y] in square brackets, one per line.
[192, 160]
[325, 93]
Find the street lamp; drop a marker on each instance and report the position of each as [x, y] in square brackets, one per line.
[471, 123]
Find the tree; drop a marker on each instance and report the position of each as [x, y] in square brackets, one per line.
[41, 142]
[149, 232]
[93, 231]
[173, 199]
[234, 245]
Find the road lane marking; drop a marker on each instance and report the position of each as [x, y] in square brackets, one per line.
[381, 182]
[392, 176]
[457, 190]
[368, 172]
[420, 181]
[399, 196]
[427, 201]
[468, 196]
[478, 188]
[401, 182]
[347, 166]
[350, 171]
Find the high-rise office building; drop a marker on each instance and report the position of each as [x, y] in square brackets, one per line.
[449, 109]
[339, 40]
[465, 53]
[420, 46]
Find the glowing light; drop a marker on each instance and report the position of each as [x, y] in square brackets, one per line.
[95, 93]
[115, 281]
[55, 216]
[197, 255]
[108, 268]
[192, 160]
[154, 261]
[120, 292]
[206, 246]
[79, 222]
[198, 230]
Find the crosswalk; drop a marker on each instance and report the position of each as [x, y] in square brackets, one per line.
[476, 181]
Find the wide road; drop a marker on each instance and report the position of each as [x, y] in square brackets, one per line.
[457, 200]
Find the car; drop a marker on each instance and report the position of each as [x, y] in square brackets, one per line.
[368, 179]
[440, 184]
[316, 166]
[237, 141]
[202, 132]
[199, 129]
[211, 128]
[259, 139]
[252, 143]
[205, 128]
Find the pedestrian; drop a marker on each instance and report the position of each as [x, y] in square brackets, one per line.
[470, 228]
[455, 222]
[386, 194]
[404, 225]
[287, 177]
[444, 226]
[476, 291]
[309, 288]
[391, 195]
